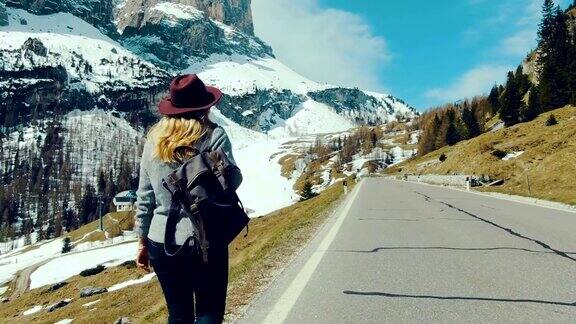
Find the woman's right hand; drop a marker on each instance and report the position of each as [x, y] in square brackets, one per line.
[142, 258]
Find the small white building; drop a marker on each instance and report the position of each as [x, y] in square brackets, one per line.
[125, 201]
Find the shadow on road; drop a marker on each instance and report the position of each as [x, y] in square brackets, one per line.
[415, 219]
[390, 295]
[378, 249]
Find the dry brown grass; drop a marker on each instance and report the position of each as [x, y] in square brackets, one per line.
[288, 164]
[312, 174]
[114, 224]
[549, 158]
[272, 242]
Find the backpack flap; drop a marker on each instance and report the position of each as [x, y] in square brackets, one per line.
[228, 174]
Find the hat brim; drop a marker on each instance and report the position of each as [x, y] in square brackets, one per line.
[165, 107]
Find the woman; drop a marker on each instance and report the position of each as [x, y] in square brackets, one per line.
[195, 292]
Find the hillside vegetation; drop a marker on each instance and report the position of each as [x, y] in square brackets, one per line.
[272, 241]
[549, 158]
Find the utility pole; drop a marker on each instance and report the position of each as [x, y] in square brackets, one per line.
[100, 212]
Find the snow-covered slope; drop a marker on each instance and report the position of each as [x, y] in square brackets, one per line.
[264, 94]
[90, 58]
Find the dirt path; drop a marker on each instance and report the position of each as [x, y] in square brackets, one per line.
[22, 279]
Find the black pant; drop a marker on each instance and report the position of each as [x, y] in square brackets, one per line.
[188, 283]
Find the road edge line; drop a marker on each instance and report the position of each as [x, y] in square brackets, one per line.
[286, 302]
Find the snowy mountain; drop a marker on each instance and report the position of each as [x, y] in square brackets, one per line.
[80, 81]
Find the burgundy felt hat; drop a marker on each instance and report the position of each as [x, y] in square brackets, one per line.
[187, 94]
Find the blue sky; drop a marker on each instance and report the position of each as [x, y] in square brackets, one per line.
[425, 52]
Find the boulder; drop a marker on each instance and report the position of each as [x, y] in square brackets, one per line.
[123, 320]
[130, 264]
[56, 286]
[92, 271]
[35, 46]
[59, 304]
[91, 291]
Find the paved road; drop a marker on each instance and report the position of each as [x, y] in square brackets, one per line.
[402, 252]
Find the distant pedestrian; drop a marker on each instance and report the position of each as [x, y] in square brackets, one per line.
[194, 288]
[345, 184]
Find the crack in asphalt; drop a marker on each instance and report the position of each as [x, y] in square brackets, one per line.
[509, 230]
[468, 298]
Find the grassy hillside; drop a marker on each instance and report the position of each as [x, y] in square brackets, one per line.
[549, 158]
[272, 242]
[114, 224]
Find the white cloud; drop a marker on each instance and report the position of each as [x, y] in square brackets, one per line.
[512, 48]
[519, 44]
[326, 45]
[477, 81]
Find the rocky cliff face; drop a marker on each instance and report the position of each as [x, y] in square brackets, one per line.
[261, 110]
[362, 107]
[98, 13]
[45, 77]
[175, 34]
[234, 13]
[3, 14]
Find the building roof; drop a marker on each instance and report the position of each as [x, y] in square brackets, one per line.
[127, 193]
[125, 198]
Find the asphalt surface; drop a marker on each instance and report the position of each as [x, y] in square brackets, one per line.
[401, 252]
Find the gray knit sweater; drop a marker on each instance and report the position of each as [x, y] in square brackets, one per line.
[154, 200]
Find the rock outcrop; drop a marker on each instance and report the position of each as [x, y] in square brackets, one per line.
[59, 304]
[234, 13]
[91, 291]
[361, 106]
[3, 14]
[262, 109]
[98, 13]
[175, 34]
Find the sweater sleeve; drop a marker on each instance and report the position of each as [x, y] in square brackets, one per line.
[145, 199]
[220, 140]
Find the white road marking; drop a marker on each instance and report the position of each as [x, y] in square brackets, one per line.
[284, 305]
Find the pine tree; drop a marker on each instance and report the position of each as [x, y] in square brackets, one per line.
[66, 247]
[571, 69]
[553, 59]
[494, 99]
[471, 122]
[551, 121]
[522, 80]
[88, 205]
[101, 182]
[533, 108]
[452, 134]
[307, 192]
[511, 102]
[427, 142]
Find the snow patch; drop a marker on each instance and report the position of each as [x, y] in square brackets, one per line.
[179, 11]
[68, 265]
[65, 321]
[32, 310]
[512, 155]
[145, 278]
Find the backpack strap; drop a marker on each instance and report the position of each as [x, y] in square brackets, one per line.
[203, 144]
[170, 229]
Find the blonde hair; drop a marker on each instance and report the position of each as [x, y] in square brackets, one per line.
[175, 137]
